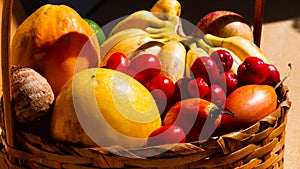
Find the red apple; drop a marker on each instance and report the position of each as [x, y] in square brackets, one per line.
[224, 23]
[168, 134]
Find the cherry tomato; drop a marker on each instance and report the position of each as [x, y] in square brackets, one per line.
[162, 83]
[216, 95]
[144, 67]
[223, 58]
[197, 117]
[162, 102]
[206, 68]
[181, 90]
[168, 134]
[252, 71]
[118, 61]
[273, 76]
[198, 88]
[228, 81]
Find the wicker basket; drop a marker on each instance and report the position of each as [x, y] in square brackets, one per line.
[259, 146]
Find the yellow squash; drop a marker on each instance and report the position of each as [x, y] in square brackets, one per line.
[56, 42]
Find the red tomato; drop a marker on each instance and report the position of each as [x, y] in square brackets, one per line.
[181, 89]
[144, 67]
[206, 68]
[168, 134]
[228, 81]
[162, 83]
[223, 58]
[216, 95]
[273, 76]
[197, 117]
[249, 103]
[118, 61]
[198, 88]
[252, 71]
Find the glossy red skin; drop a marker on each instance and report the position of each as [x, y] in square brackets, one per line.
[198, 88]
[168, 134]
[273, 77]
[224, 24]
[223, 59]
[253, 70]
[164, 84]
[249, 103]
[181, 90]
[228, 81]
[163, 104]
[205, 68]
[144, 67]
[191, 115]
[118, 61]
[216, 95]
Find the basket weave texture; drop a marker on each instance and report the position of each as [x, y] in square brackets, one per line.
[259, 146]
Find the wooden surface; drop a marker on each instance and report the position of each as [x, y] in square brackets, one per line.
[280, 42]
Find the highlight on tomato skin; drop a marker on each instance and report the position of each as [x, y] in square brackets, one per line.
[198, 118]
[252, 71]
[144, 67]
[197, 87]
[163, 83]
[167, 134]
[223, 59]
[273, 77]
[118, 61]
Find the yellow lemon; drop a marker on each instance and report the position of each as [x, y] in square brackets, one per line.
[103, 107]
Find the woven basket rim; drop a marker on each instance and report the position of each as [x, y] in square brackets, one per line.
[194, 153]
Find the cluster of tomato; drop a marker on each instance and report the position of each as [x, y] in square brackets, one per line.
[215, 81]
[211, 79]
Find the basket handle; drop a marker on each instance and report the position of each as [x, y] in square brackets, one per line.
[258, 20]
[5, 50]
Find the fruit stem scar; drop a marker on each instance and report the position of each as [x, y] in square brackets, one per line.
[229, 112]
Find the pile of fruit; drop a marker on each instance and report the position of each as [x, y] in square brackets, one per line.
[147, 84]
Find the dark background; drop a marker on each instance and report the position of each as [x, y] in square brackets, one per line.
[104, 11]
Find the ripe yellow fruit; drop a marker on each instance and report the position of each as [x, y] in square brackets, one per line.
[103, 107]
